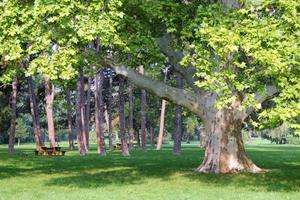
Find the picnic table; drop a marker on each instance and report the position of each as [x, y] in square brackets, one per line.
[50, 151]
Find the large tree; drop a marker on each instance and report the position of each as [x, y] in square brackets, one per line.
[237, 59]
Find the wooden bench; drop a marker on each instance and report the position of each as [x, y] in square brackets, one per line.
[52, 151]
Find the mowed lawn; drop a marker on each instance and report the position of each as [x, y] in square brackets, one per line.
[146, 175]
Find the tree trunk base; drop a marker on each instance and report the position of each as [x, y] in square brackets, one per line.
[237, 167]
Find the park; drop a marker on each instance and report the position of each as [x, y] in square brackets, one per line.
[160, 99]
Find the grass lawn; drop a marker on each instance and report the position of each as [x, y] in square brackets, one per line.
[146, 175]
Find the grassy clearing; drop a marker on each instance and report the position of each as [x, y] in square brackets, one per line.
[146, 175]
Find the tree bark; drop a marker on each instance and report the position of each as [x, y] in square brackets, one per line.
[130, 120]
[143, 112]
[152, 135]
[69, 117]
[125, 151]
[88, 112]
[99, 114]
[49, 97]
[178, 122]
[109, 111]
[224, 149]
[79, 127]
[83, 113]
[35, 115]
[12, 132]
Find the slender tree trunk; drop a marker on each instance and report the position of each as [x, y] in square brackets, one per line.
[143, 112]
[178, 122]
[88, 112]
[79, 127]
[12, 132]
[69, 117]
[125, 151]
[35, 115]
[137, 135]
[83, 113]
[161, 125]
[109, 111]
[152, 135]
[49, 96]
[162, 121]
[99, 114]
[130, 120]
[224, 150]
[19, 141]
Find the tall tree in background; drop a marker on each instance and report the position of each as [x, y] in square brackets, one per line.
[88, 112]
[162, 118]
[99, 113]
[83, 114]
[69, 118]
[49, 97]
[79, 127]
[109, 112]
[178, 121]
[143, 113]
[130, 117]
[12, 130]
[35, 115]
[125, 150]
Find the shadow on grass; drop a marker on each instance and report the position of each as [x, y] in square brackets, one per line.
[93, 171]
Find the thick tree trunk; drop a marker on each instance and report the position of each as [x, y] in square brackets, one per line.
[143, 112]
[49, 97]
[69, 117]
[35, 115]
[88, 112]
[12, 132]
[130, 118]
[109, 111]
[99, 114]
[224, 149]
[125, 151]
[178, 122]
[79, 127]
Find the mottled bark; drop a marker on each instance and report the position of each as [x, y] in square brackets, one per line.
[79, 127]
[12, 131]
[35, 115]
[161, 125]
[178, 122]
[130, 118]
[99, 114]
[125, 151]
[49, 97]
[143, 112]
[109, 111]
[224, 149]
[69, 117]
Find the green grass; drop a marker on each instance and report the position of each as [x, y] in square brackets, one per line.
[146, 175]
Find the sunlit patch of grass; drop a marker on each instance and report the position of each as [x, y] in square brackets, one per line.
[146, 175]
